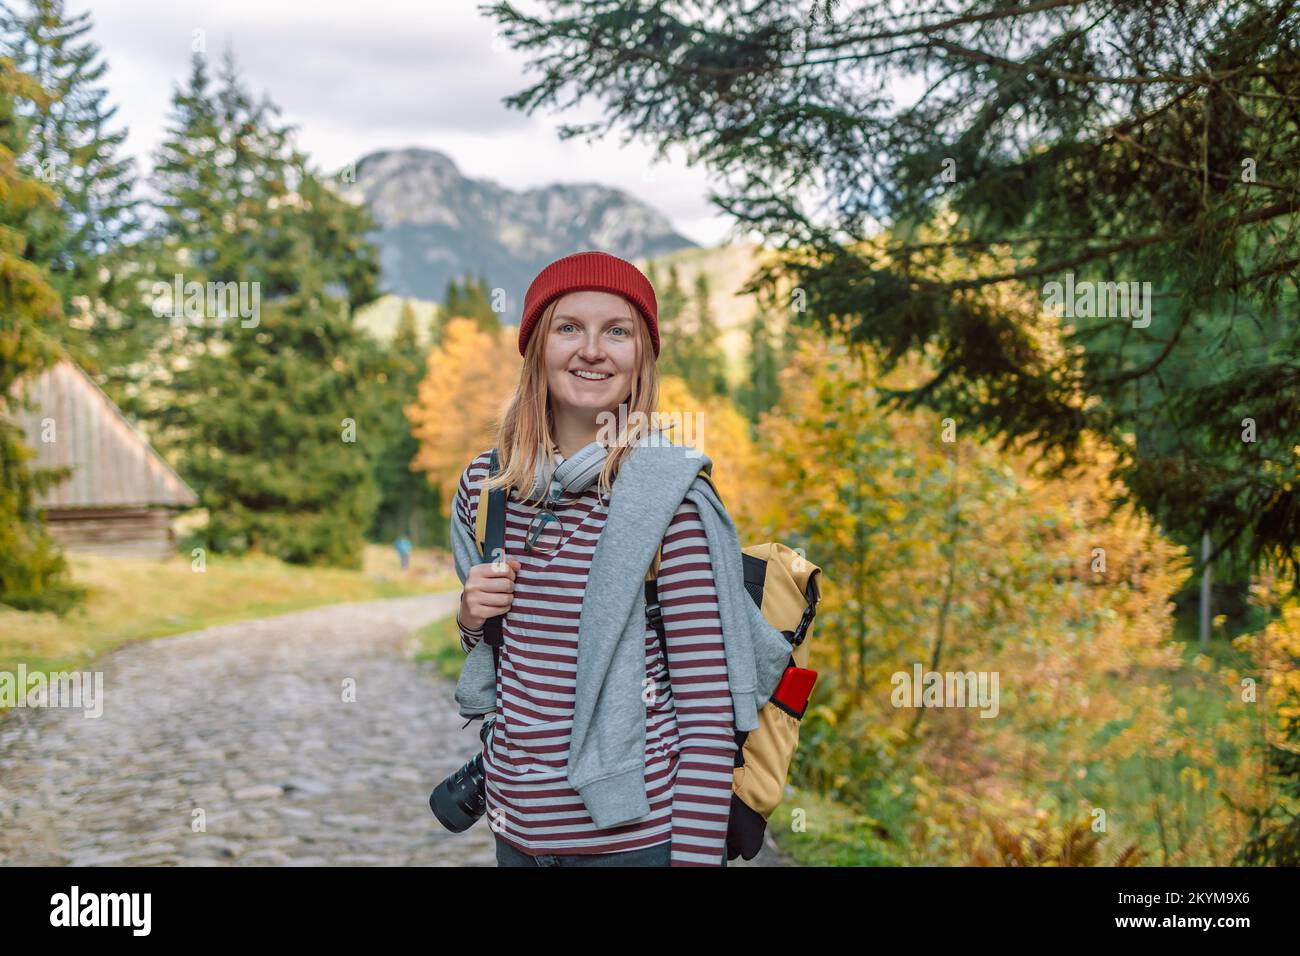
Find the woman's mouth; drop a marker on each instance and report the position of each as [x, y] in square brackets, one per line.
[591, 376]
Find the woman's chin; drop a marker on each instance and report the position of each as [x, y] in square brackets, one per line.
[593, 400]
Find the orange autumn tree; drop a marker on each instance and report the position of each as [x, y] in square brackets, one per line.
[468, 379]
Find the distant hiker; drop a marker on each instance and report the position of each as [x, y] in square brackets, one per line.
[403, 546]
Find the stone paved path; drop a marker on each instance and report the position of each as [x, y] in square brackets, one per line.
[248, 724]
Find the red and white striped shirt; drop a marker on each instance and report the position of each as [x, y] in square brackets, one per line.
[690, 743]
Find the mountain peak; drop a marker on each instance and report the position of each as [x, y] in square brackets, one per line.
[436, 224]
[409, 156]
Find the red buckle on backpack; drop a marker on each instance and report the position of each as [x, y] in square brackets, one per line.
[794, 689]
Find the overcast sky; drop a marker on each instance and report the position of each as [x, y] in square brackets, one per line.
[362, 75]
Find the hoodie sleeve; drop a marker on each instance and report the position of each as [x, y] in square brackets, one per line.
[464, 547]
[697, 673]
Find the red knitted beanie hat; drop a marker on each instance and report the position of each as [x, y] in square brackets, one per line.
[589, 270]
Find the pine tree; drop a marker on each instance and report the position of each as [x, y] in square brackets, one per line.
[268, 413]
[674, 355]
[451, 300]
[33, 572]
[195, 182]
[1038, 151]
[280, 452]
[89, 249]
[337, 230]
[761, 388]
[408, 504]
[689, 337]
[472, 299]
[406, 339]
[709, 372]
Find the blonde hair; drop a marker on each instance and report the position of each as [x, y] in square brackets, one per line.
[528, 419]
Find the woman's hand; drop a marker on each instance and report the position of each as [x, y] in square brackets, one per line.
[488, 592]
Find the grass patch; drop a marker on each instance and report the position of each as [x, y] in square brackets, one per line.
[134, 599]
[833, 834]
[439, 642]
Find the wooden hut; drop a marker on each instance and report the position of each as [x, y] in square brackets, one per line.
[121, 496]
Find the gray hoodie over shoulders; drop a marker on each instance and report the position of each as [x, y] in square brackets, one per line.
[605, 763]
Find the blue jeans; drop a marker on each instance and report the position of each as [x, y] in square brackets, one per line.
[507, 855]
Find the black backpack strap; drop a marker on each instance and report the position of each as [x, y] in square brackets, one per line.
[653, 613]
[813, 594]
[494, 543]
[654, 616]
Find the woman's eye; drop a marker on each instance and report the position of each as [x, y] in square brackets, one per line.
[625, 332]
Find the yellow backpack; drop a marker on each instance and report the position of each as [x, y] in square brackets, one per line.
[785, 586]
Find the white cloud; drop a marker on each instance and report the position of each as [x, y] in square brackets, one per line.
[383, 74]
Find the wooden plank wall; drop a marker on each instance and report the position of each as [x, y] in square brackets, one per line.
[142, 532]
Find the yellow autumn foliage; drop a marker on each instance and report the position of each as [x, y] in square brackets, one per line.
[467, 381]
[717, 429]
[943, 552]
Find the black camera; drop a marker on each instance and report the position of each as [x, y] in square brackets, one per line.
[462, 798]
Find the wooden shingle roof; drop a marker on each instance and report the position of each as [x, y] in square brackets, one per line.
[112, 464]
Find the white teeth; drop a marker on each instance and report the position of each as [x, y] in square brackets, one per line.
[594, 376]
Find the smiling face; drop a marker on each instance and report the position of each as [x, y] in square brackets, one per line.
[591, 354]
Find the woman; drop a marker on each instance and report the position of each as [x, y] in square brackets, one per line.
[589, 337]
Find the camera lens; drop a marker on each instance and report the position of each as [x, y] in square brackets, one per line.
[462, 798]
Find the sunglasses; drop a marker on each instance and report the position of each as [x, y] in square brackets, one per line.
[541, 520]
